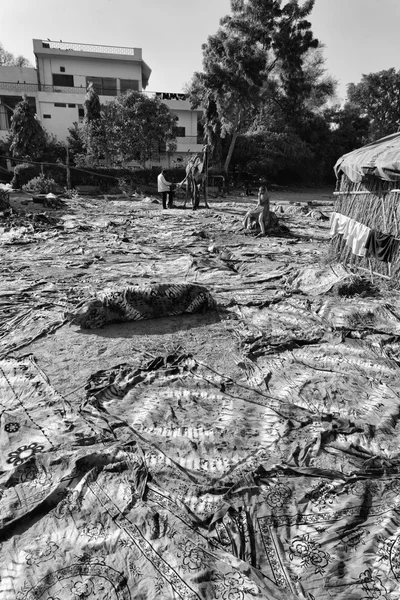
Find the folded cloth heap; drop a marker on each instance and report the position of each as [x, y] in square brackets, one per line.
[135, 303]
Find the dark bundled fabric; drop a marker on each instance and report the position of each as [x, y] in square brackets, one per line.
[382, 246]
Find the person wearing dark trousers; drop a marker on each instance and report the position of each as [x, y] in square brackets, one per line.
[164, 187]
[171, 194]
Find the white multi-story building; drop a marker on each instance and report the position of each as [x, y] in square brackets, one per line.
[57, 87]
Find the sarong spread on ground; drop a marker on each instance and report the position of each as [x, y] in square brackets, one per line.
[173, 481]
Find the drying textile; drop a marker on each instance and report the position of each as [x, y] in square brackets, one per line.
[135, 303]
[342, 225]
[338, 223]
[348, 228]
[382, 246]
[174, 482]
[357, 239]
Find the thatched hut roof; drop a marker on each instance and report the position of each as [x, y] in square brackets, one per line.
[380, 159]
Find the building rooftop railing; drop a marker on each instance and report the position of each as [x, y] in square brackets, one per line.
[88, 47]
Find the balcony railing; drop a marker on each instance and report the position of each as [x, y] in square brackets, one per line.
[34, 87]
[88, 48]
[18, 87]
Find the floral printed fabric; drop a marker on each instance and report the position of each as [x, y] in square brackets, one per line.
[172, 482]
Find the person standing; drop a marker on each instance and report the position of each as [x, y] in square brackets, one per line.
[164, 187]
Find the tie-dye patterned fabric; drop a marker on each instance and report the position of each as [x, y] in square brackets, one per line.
[174, 482]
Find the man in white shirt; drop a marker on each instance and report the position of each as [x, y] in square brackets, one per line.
[164, 187]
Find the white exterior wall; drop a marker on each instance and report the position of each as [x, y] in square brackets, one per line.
[82, 64]
[18, 74]
[61, 117]
[84, 67]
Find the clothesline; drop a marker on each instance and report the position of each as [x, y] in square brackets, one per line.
[364, 241]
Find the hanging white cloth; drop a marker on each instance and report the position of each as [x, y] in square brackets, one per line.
[348, 227]
[357, 238]
[338, 223]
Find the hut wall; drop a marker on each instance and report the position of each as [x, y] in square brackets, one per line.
[378, 209]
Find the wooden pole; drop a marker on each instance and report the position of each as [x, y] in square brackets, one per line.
[364, 193]
[384, 215]
[371, 272]
[68, 170]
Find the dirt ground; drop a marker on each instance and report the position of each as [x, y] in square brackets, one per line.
[114, 241]
[248, 452]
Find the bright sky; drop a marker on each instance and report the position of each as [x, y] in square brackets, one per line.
[361, 36]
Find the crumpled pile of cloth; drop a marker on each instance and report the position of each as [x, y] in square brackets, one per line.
[135, 303]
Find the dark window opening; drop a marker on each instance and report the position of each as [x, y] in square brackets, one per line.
[45, 45]
[71, 105]
[60, 105]
[81, 112]
[180, 131]
[129, 84]
[103, 86]
[63, 80]
[46, 116]
[62, 69]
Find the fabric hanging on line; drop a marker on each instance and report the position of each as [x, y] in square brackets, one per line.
[381, 246]
[338, 223]
[357, 239]
[348, 228]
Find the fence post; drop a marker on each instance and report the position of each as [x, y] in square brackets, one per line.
[68, 170]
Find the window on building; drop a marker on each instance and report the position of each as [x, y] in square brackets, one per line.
[46, 116]
[4, 123]
[128, 84]
[71, 105]
[62, 69]
[63, 80]
[180, 131]
[104, 86]
[60, 105]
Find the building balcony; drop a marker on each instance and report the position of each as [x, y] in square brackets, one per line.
[11, 86]
[22, 88]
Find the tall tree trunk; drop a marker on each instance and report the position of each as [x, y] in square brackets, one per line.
[232, 144]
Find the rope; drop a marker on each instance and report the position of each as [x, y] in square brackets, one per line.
[62, 165]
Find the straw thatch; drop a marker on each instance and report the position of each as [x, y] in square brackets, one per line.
[378, 207]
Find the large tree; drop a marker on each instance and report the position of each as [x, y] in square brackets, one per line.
[92, 121]
[134, 127]
[27, 135]
[377, 97]
[8, 59]
[257, 53]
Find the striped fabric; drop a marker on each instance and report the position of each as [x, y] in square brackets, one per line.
[380, 158]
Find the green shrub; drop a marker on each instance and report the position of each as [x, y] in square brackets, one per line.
[106, 178]
[23, 173]
[41, 185]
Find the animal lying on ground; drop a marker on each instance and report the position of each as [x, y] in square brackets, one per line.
[137, 303]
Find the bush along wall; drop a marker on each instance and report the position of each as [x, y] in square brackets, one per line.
[105, 178]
